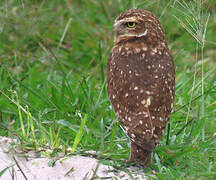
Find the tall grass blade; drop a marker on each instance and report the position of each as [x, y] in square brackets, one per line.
[5, 169]
[79, 134]
[20, 115]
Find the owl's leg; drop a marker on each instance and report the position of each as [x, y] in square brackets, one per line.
[139, 155]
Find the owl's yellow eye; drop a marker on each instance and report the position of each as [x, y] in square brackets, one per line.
[131, 24]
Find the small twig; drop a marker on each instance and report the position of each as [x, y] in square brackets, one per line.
[125, 170]
[94, 176]
[69, 172]
[20, 168]
[12, 174]
[168, 133]
[184, 127]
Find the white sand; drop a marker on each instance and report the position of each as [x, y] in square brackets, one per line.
[38, 169]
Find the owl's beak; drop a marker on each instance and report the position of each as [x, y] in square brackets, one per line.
[116, 29]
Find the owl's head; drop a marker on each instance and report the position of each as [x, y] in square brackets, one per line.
[137, 23]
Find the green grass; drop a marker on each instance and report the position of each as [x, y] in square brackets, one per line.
[53, 57]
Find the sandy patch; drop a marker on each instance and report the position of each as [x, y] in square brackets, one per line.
[76, 167]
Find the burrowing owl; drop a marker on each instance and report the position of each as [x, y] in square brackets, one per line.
[141, 80]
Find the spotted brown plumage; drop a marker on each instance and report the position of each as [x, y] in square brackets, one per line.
[141, 80]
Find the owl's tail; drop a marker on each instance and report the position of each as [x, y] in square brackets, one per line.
[139, 155]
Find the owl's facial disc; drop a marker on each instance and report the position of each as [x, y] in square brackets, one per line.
[129, 28]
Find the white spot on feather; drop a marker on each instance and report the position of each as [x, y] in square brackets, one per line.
[143, 101]
[129, 118]
[161, 119]
[133, 136]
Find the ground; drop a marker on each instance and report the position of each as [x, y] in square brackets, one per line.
[28, 165]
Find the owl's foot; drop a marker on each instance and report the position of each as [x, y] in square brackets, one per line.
[130, 161]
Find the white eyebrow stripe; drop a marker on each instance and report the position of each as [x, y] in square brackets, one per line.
[134, 18]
